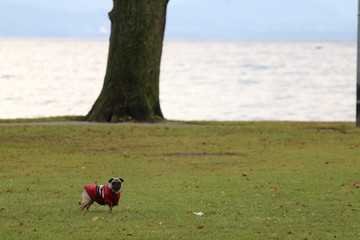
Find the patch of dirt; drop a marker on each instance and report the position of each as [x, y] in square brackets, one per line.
[204, 154]
[33, 139]
[332, 129]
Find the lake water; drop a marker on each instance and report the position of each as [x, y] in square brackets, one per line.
[200, 80]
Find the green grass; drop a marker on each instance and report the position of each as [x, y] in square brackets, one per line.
[252, 180]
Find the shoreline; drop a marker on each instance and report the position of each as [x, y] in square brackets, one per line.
[164, 123]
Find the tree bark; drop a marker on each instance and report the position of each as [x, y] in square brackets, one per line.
[131, 84]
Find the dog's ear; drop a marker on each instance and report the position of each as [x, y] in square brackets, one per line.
[122, 180]
[110, 180]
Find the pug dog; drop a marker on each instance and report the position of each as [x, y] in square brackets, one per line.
[102, 194]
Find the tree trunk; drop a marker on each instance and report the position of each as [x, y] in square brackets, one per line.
[131, 84]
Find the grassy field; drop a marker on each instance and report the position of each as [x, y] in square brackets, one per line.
[252, 180]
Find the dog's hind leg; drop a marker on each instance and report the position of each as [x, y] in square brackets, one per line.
[83, 205]
[86, 201]
[86, 205]
[89, 205]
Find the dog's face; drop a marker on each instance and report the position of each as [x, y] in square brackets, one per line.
[116, 184]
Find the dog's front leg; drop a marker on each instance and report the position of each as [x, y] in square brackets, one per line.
[110, 209]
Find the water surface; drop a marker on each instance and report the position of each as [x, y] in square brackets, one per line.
[200, 80]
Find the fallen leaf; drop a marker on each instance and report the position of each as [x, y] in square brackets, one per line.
[200, 227]
[95, 218]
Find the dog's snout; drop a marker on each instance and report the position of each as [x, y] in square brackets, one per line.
[116, 185]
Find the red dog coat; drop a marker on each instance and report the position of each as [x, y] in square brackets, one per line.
[102, 194]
